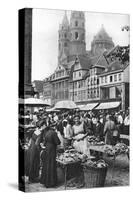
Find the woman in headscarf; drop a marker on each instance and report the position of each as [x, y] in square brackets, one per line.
[49, 171]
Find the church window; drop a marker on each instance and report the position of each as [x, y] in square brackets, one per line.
[76, 23]
[65, 44]
[76, 35]
[65, 35]
[82, 24]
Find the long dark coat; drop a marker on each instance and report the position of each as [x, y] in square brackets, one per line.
[98, 130]
[109, 127]
[32, 162]
[49, 173]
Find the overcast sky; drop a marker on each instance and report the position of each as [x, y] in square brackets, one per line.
[45, 36]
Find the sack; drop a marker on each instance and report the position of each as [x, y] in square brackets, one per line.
[115, 133]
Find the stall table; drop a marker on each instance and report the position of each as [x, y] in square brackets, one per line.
[66, 165]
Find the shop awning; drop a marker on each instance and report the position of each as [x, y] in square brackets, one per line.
[108, 105]
[87, 107]
[91, 105]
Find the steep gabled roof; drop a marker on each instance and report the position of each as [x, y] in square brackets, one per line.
[94, 59]
[113, 67]
[85, 62]
[102, 61]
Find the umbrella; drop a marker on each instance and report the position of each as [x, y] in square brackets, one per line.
[65, 105]
[33, 102]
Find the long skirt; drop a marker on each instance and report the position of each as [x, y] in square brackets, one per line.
[49, 170]
[33, 160]
[109, 138]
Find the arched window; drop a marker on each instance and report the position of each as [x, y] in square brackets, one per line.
[76, 35]
[65, 35]
[65, 44]
[76, 23]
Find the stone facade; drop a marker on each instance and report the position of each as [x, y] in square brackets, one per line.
[80, 73]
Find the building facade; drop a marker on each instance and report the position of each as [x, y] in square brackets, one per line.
[114, 84]
[84, 76]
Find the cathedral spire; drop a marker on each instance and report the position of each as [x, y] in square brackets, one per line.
[65, 22]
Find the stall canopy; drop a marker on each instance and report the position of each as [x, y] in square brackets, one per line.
[108, 105]
[65, 105]
[33, 102]
[89, 106]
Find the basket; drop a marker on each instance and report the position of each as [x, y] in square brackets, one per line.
[94, 177]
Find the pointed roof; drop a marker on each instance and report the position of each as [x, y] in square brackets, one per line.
[65, 22]
[102, 34]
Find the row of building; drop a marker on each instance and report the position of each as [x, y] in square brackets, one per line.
[86, 76]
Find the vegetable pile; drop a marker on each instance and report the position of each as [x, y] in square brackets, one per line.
[117, 149]
[95, 164]
[94, 140]
[70, 156]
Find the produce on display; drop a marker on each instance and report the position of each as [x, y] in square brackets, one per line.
[94, 140]
[117, 149]
[70, 156]
[95, 164]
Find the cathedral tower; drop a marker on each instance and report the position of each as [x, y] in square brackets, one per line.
[101, 42]
[63, 41]
[77, 33]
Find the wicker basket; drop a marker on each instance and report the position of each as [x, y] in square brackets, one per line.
[94, 177]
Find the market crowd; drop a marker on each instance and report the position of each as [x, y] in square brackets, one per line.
[43, 134]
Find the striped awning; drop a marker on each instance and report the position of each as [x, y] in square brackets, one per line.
[108, 105]
[87, 107]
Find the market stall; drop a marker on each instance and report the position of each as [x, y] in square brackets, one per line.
[109, 150]
[69, 161]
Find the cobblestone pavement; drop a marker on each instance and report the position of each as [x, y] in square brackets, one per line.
[120, 176]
